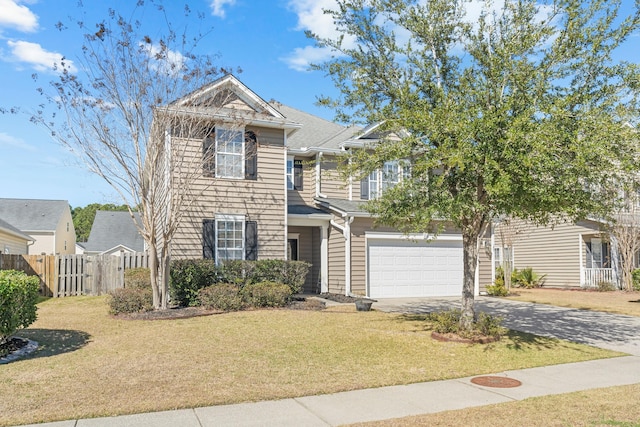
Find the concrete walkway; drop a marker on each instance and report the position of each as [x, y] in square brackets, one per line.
[605, 330]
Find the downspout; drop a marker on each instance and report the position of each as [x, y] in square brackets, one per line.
[318, 176]
[346, 233]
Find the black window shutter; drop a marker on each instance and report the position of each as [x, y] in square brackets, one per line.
[209, 239]
[364, 188]
[297, 175]
[251, 241]
[250, 156]
[209, 155]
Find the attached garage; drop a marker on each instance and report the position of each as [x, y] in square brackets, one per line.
[402, 267]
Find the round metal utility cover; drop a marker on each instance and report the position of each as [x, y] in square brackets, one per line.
[494, 381]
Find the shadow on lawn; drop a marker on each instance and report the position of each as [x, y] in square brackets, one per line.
[52, 342]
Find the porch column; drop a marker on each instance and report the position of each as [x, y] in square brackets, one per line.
[580, 246]
[324, 258]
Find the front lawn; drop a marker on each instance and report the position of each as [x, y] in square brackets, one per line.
[613, 302]
[90, 364]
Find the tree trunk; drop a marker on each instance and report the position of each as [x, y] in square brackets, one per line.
[470, 260]
[471, 231]
[164, 281]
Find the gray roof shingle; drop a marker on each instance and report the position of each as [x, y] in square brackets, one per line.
[316, 132]
[32, 214]
[110, 229]
[4, 225]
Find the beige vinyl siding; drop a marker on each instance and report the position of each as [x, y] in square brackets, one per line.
[306, 244]
[12, 244]
[262, 200]
[332, 185]
[484, 262]
[308, 192]
[554, 252]
[44, 242]
[336, 261]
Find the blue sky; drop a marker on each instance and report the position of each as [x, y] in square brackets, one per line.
[264, 38]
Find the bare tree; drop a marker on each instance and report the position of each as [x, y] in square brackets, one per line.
[625, 234]
[508, 231]
[119, 115]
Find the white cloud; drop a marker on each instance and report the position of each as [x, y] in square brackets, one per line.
[37, 57]
[17, 16]
[217, 7]
[7, 140]
[311, 17]
[169, 61]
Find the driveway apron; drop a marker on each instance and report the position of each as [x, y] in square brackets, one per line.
[605, 330]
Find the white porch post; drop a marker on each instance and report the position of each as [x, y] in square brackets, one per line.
[347, 255]
[580, 246]
[324, 258]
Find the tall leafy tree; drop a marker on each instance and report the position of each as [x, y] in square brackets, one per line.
[514, 108]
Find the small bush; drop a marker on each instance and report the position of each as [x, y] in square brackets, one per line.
[448, 322]
[137, 278]
[527, 278]
[635, 274]
[187, 277]
[266, 294]
[18, 298]
[605, 286]
[130, 300]
[223, 296]
[497, 289]
[290, 273]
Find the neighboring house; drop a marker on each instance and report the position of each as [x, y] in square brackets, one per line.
[12, 240]
[271, 190]
[48, 222]
[112, 233]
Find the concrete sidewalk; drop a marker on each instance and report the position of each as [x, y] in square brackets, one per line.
[387, 402]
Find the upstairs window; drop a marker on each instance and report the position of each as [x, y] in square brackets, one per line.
[380, 180]
[230, 153]
[294, 174]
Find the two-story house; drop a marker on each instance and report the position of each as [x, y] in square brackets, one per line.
[271, 189]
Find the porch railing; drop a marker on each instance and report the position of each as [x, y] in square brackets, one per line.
[592, 276]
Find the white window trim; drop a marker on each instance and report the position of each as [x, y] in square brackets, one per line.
[294, 236]
[219, 152]
[289, 173]
[377, 177]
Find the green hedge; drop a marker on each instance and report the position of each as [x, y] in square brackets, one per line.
[130, 300]
[266, 294]
[188, 277]
[137, 278]
[18, 298]
[222, 296]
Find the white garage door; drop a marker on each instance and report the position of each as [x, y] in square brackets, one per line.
[404, 268]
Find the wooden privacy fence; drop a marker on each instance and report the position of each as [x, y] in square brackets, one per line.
[68, 275]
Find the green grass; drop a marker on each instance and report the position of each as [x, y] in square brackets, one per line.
[90, 364]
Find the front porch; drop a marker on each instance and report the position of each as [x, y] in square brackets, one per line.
[596, 262]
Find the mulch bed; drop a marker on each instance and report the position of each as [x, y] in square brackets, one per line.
[13, 344]
[188, 312]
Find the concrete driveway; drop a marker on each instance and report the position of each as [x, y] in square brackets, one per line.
[604, 330]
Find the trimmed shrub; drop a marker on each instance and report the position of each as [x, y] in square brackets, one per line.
[137, 278]
[18, 298]
[448, 322]
[497, 289]
[223, 296]
[266, 294]
[130, 300]
[635, 274]
[187, 277]
[290, 273]
[605, 286]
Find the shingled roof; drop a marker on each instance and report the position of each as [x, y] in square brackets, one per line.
[111, 229]
[316, 132]
[10, 229]
[30, 215]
